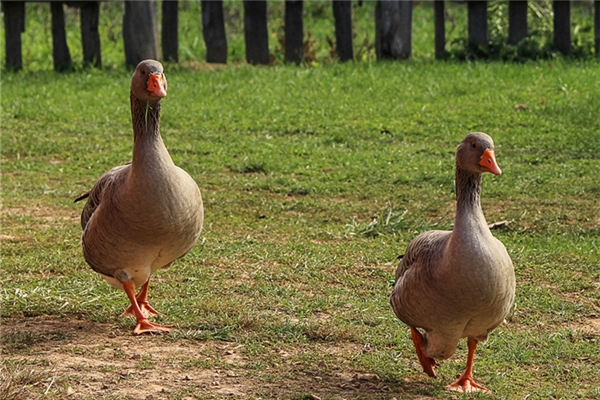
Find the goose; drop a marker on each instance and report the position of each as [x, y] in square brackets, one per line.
[459, 283]
[142, 216]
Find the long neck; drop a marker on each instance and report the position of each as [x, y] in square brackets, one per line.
[469, 215]
[148, 146]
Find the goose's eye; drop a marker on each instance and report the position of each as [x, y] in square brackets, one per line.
[143, 72]
[474, 145]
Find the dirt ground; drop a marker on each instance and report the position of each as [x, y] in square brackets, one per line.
[78, 359]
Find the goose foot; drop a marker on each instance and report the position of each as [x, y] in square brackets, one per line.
[465, 383]
[145, 326]
[142, 301]
[145, 307]
[426, 362]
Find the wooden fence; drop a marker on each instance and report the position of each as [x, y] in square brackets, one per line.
[393, 25]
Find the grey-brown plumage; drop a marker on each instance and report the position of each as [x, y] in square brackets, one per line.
[142, 216]
[458, 283]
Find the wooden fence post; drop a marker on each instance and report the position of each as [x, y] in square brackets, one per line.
[60, 50]
[342, 13]
[393, 29]
[478, 23]
[597, 25]
[255, 32]
[170, 27]
[294, 31]
[140, 35]
[517, 21]
[14, 25]
[90, 38]
[439, 29]
[213, 30]
[562, 26]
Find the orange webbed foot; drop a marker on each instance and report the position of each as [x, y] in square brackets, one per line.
[466, 384]
[145, 326]
[142, 303]
[146, 309]
[426, 362]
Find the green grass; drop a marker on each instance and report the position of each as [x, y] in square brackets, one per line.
[314, 180]
[294, 163]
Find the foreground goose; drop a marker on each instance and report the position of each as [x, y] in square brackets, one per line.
[459, 283]
[142, 216]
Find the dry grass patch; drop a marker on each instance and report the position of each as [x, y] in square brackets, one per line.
[37, 217]
[79, 359]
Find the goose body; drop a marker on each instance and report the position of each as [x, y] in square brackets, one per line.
[142, 216]
[459, 283]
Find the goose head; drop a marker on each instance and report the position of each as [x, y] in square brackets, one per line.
[148, 82]
[476, 154]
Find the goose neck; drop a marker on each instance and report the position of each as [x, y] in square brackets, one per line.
[468, 199]
[148, 143]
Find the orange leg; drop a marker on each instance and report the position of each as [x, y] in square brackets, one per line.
[143, 325]
[142, 300]
[426, 362]
[466, 383]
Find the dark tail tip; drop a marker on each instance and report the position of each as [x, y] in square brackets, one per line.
[83, 196]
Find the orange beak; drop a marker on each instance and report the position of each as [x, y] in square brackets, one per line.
[488, 162]
[156, 85]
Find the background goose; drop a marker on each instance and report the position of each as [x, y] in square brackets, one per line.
[458, 283]
[142, 216]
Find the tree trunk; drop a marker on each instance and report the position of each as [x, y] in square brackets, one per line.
[393, 29]
[517, 21]
[255, 32]
[60, 50]
[170, 29]
[478, 23]
[597, 25]
[342, 13]
[294, 31]
[90, 38]
[213, 29]
[14, 25]
[140, 35]
[439, 28]
[562, 26]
